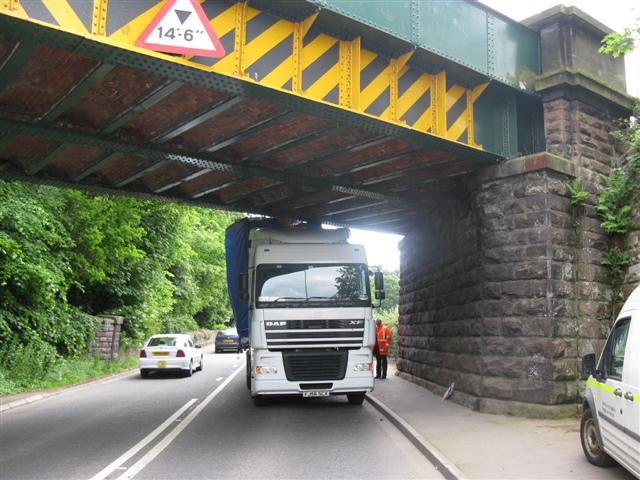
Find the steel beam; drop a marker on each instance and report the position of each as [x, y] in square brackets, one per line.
[72, 96]
[272, 121]
[16, 60]
[96, 166]
[160, 153]
[350, 149]
[108, 52]
[375, 162]
[402, 172]
[198, 120]
[157, 96]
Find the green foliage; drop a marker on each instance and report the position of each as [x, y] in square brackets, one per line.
[617, 261]
[613, 202]
[66, 256]
[578, 196]
[37, 370]
[616, 44]
[623, 185]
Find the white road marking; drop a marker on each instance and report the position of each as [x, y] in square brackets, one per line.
[166, 441]
[102, 474]
[219, 378]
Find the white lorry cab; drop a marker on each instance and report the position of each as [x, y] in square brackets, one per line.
[303, 298]
[610, 426]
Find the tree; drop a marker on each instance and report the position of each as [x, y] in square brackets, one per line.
[617, 204]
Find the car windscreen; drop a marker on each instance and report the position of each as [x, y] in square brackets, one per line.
[162, 341]
[302, 284]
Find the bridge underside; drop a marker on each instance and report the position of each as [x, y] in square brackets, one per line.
[86, 114]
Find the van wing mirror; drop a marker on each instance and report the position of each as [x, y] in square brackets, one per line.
[378, 280]
[243, 287]
[588, 365]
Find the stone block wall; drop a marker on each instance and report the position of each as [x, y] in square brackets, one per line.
[107, 341]
[498, 295]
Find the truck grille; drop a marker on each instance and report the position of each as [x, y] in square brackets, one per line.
[313, 366]
[331, 333]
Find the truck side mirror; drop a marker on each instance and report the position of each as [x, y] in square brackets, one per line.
[378, 280]
[243, 287]
[588, 365]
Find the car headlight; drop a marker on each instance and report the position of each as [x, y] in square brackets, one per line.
[363, 367]
[264, 370]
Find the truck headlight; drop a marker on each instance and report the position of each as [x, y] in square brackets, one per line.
[363, 367]
[264, 370]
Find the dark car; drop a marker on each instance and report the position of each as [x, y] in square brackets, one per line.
[228, 340]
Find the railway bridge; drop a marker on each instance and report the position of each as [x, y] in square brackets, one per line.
[446, 122]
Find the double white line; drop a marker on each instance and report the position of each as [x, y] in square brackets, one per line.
[166, 441]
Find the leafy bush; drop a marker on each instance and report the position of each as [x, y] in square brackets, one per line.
[66, 256]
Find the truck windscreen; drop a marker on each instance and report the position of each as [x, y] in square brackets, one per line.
[302, 284]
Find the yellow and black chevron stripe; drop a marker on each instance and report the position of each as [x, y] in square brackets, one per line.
[321, 66]
[280, 54]
[457, 112]
[375, 86]
[414, 99]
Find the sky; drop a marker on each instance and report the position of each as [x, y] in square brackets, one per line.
[382, 249]
[615, 14]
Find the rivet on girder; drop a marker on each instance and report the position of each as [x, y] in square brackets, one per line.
[9, 5]
[99, 20]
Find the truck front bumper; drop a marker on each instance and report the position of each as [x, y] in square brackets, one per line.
[274, 380]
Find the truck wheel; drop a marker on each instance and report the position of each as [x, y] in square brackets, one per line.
[355, 398]
[591, 441]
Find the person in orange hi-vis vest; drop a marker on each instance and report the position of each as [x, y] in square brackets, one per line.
[381, 350]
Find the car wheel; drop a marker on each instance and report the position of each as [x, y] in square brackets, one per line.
[199, 369]
[189, 372]
[144, 373]
[355, 398]
[216, 350]
[592, 442]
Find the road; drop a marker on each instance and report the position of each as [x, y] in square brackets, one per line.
[206, 426]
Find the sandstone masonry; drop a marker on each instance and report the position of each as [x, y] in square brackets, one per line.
[502, 290]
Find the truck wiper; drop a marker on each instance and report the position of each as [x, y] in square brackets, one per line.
[321, 298]
[288, 299]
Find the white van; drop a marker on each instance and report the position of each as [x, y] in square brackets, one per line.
[610, 426]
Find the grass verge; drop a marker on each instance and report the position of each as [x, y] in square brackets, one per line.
[61, 373]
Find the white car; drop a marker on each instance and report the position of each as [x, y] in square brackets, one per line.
[169, 351]
[610, 427]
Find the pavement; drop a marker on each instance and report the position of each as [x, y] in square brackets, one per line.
[461, 443]
[465, 444]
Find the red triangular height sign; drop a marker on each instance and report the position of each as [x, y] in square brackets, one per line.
[181, 26]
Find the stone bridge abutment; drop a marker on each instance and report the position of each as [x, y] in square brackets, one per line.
[502, 289]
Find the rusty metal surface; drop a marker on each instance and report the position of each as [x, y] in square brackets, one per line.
[123, 129]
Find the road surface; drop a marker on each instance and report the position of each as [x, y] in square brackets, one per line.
[206, 426]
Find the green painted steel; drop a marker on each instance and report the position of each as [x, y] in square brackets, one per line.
[461, 31]
[456, 30]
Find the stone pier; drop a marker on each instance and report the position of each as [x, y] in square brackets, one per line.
[502, 290]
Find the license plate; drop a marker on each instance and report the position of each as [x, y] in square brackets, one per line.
[228, 340]
[313, 393]
[162, 364]
[160, 354]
